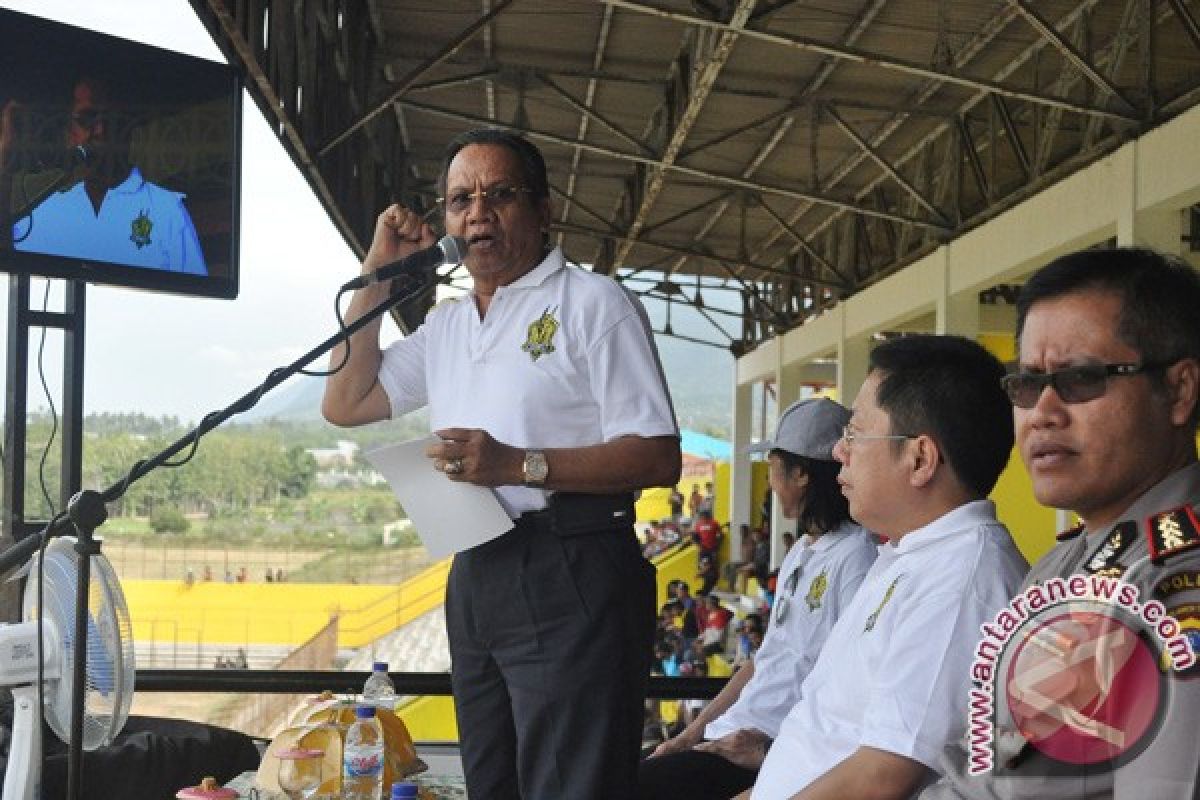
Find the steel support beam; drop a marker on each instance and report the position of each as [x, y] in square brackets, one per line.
[884, 165]
[700, 90]
[406, 83]
[872, 59]
[1071, 54]
[726, 180]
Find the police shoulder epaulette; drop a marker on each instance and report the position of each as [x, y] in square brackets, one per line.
[1070, 533]
[1169, 533]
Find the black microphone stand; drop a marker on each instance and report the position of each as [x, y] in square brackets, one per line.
[87, 510]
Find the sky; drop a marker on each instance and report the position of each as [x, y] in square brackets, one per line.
[163, 354]
[167, 355]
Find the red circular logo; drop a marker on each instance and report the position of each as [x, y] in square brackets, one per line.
[1083, 687]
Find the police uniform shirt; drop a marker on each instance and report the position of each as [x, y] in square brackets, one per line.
[1169, 766]
[828, 572]
[139, 223]
[894, 673]
[563, 358]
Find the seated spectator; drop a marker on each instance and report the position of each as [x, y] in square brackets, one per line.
[714, 624]
[688, 625]
[930, 433]
[759, 566]
[718, 754]
[749, 640]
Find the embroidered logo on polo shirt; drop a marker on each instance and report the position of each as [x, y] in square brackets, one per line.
[871, 620]
[540, 340]
[816, 591]
[139, 230]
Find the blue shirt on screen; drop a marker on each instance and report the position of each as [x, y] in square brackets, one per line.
[139, 224]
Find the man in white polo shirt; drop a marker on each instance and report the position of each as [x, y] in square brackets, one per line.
[719, 753]
[929, 436]
[543, 383]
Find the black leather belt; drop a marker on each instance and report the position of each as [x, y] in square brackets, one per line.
[574, 513]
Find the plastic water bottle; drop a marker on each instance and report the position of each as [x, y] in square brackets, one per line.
[403, 790]
[378, 686]
[362, 757]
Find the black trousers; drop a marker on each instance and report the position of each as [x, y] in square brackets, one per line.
[692, 775]
[550, 639]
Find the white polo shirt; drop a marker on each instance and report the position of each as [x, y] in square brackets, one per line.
[139, 223]
[895, 671]
[564, 358]
[828, 572]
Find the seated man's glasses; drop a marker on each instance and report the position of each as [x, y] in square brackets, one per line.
[850, 436]
[496, 197]
[1072, 384]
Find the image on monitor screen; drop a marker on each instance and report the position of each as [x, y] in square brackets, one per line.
[119, 162]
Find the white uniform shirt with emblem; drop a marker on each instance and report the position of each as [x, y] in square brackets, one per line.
[830, 572]
[139, 223]
[895, 671]
[563, 358]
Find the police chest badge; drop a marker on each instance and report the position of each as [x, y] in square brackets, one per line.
[816, 591]
[540, 340]
[139, 230]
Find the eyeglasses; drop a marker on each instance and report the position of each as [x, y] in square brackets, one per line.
[783, 599]
[850, 436]
[496, 197]
[1073, 384]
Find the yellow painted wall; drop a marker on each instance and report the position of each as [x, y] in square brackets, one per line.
[277, 613]
[676, 565]
[430, 719]
[1031, 524]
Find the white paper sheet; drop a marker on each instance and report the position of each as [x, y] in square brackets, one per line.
[450, 516]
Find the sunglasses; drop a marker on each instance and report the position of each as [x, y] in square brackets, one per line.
[1073, 384]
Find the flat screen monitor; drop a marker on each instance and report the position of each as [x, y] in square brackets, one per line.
[119, 162]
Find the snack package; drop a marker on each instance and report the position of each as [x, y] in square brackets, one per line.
[321, 725]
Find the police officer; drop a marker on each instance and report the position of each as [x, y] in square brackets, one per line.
[1096, 698]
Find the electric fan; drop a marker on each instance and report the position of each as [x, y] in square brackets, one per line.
[109, 659]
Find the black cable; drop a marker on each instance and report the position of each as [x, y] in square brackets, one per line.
[341, 321]
[49, 401]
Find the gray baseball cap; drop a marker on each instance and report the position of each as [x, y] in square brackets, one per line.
[809, 428]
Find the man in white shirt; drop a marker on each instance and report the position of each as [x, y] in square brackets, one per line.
[543, 383]
[929, 435]
[719, 752]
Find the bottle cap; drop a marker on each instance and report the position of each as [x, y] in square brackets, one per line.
[364, 711]
[404, 790]
[379, 666]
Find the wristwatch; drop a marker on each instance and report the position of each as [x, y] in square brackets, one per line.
[535, 469]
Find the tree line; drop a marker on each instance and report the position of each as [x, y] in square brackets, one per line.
[234, 469]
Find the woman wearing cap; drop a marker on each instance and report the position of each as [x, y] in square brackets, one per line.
[719, 753]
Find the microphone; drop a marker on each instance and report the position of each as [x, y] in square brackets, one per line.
[450, 250]
[68, 159]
